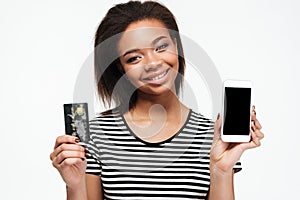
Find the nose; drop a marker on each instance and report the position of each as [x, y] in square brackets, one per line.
[152, 61]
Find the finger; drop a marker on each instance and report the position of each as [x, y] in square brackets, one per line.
[253, 115]
[254, 118]
[248, 145]
[255, 139]
[66, 147]
[68, 154]
[259, 134]
[71, 161]
[65, 139]
[217, 127]
[253, 128]
[257, 124]
[253, 109]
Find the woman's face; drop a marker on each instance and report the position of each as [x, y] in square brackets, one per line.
[149, 56]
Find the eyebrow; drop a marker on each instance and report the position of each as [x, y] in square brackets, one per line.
[153, 42]
[130, 51]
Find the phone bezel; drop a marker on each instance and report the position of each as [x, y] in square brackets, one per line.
[236, 84]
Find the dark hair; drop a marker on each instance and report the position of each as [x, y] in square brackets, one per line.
[108, 69]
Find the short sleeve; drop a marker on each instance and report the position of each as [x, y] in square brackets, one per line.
[237, 167]
[94, 165]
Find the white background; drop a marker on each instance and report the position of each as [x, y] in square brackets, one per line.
[43, 45]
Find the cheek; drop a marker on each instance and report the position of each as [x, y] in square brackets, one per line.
[172, 60]
[133, 74]
[170, 55]
[133, 71]
[175, 60]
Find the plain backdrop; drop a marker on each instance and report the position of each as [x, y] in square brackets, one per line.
[44, 44]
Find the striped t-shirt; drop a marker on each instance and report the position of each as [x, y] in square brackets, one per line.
[131, 168]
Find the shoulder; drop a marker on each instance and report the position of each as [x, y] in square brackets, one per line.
[107, 117]
[200, 119]
[106, 124]
[199, 126]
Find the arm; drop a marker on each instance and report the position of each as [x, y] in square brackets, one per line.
[221, 185]
[69, 159]
[78, 193]
[90, 189]
[223, 157]
[94, 187]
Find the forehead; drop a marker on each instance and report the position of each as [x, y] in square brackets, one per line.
[141, 34]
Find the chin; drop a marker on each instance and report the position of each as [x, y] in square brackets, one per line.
[157, 90]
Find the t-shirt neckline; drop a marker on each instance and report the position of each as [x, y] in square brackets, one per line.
[161, 142]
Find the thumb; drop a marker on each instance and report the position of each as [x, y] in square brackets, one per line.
[217, 128]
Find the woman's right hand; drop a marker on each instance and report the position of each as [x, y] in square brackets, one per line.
[69, 158]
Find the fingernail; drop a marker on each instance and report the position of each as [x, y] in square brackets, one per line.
[77, 140]
[218, 116]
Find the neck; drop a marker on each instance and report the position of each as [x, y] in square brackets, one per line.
[157, 117]
[167, 105]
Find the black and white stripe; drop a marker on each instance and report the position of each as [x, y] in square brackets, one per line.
[131, 168]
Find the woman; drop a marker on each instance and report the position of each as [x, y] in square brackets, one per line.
[150, 146]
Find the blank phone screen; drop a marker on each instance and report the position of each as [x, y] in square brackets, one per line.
[237, 111]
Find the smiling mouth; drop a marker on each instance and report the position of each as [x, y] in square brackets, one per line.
[160, 76]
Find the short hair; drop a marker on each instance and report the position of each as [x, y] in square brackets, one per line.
[108, 69]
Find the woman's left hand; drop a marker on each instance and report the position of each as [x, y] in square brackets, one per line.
[224, 155]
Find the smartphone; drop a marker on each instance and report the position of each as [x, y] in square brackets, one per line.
[77, 120]
[236, 111]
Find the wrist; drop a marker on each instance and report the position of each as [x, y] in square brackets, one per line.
[79, 185]
[73, 189]
[216, 171]
[77, 192]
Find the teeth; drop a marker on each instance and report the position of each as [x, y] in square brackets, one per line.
[158, 77]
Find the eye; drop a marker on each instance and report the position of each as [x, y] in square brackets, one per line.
[162, 47]
[133, 59]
